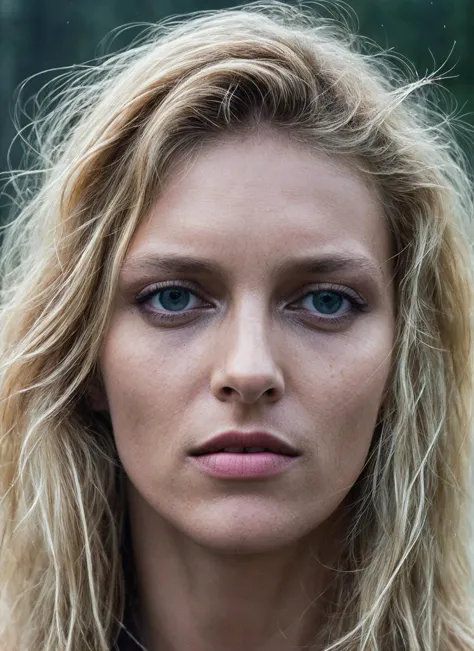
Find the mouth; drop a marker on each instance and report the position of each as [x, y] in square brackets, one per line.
[236, 451]
[234, 442]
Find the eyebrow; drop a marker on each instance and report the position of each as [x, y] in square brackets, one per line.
[152, 263]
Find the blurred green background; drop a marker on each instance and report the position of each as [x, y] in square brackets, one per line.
[39, 35]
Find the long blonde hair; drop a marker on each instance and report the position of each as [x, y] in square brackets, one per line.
[104, 142]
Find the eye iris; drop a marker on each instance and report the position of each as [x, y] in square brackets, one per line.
[174, 298]
[327, 302]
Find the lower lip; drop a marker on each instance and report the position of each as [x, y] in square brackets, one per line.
[235, 465]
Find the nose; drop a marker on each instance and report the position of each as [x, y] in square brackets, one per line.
[245, 367]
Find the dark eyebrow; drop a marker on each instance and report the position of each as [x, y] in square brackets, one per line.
[152, 263]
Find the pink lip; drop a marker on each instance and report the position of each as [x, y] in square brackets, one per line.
[236, 465]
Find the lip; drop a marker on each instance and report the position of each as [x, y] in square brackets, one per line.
[239, 439]
[243, 466]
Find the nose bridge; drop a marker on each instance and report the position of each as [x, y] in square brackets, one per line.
[247, 337]
[245, 361]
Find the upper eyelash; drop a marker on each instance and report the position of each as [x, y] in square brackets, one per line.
[356, 302]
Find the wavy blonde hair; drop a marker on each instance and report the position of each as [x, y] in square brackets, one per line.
[105, 139]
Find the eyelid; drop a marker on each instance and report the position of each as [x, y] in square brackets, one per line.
[146, 293]
[342, 289]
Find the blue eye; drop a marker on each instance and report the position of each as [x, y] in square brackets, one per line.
[327, 302]
[176, 298]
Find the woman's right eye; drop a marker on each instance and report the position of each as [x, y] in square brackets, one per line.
[171, 298]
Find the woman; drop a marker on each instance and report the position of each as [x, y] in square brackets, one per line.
[243, 223]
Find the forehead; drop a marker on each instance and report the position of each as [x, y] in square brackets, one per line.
[257, 199]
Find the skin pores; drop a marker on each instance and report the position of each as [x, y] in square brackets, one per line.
[248, 204]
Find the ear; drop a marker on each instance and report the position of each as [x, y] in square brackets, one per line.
[95, 392]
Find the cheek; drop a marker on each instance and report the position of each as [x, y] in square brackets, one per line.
[346, 401]
[145, 380]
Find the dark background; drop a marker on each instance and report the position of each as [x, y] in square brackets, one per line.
[41, 35]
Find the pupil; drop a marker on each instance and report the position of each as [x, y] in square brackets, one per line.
[175, 300]
[327, 302]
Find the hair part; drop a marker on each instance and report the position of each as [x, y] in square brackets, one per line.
[109, 138]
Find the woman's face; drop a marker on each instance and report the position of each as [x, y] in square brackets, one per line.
[304, 354]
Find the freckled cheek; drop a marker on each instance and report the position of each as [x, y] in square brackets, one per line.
[354, 379]
[349, 384]
[145, 387]
[345, 413]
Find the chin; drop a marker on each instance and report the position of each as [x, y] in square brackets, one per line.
[250, 534]
[239, 545]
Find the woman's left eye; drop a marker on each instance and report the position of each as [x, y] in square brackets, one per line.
[327, 301]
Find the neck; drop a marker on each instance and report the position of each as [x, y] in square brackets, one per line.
[193, 597]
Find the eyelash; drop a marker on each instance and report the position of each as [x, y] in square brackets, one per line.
[356, 303]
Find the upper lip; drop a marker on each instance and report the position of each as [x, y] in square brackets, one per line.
[236, 439]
